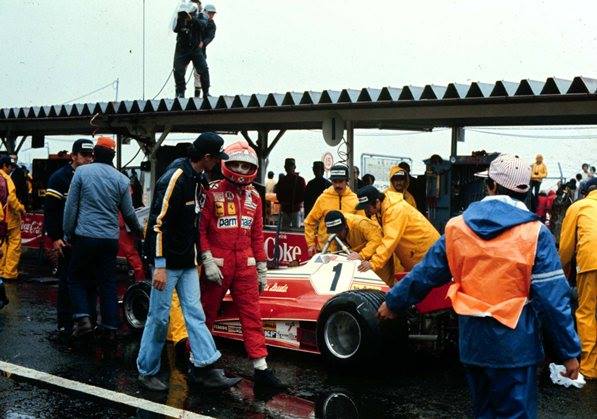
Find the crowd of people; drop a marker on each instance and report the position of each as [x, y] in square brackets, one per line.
[509, 285]
[551, 204]
[290, 199]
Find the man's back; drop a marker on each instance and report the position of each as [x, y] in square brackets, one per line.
[314, 188]
[407, 232]
[291, 192]
[98, 192]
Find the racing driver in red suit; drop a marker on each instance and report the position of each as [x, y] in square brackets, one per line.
[231, 242]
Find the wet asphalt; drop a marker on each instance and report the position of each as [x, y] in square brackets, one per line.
[419, 383]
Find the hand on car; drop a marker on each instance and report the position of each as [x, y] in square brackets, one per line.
[364, 266]
[353, 256]
[311, 250]
[384, 313]
[160, 276]
[572, 367]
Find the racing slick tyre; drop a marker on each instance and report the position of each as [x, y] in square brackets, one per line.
[136, 304]
[348, 330]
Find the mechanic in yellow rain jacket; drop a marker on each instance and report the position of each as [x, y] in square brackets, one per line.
[577, 239]
[406, 232]
[399, 181]
[3, 200]
[11, 248]
[362, 235]
[336, 197]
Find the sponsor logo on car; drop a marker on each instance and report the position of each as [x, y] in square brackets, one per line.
[275, 287]
[286, 252]
[362, 286]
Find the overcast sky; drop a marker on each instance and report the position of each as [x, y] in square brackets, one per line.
[56, 50]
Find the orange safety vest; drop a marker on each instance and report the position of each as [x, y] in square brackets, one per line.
[492, 278]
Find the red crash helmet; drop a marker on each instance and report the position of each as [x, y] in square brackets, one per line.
[240, 151]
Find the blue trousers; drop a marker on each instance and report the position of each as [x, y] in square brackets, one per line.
[203, 348]
[503, 392]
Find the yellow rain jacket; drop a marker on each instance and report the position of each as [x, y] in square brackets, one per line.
[11, 247]
[579, 234]
[407, 195]
[538, 171]
[364, 236]
[14, 206]
[406, 233]
[327, 201]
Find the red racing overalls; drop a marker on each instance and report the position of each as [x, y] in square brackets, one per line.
[231, 227]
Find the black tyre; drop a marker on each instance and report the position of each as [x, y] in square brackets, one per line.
[336, 405]
[136, 304]
[348, 330]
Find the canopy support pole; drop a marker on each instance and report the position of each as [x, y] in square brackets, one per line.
[23, 138]
[457, 136]
[350, 154]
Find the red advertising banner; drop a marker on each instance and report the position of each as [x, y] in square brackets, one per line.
[291, 246]
[32, 230]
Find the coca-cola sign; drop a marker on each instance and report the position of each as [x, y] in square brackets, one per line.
[291, 247]
[32, 229]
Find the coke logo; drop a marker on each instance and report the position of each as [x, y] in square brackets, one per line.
[32, 228]
[287, 252]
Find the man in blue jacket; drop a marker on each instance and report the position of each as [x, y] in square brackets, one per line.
[97, 193]
[507, 279]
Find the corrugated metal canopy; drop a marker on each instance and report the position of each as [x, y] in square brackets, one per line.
[528, 102]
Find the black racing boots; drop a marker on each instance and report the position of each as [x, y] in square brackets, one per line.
[82, 327]
[151, 382]
[267, 379]
[211, 378]
[3, 297]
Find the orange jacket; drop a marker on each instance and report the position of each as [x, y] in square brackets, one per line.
[495, 287]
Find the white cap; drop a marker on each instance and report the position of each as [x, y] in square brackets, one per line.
[209, 8]
[188, 8]
[509, 171]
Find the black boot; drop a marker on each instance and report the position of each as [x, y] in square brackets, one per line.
[3, 297]
[197, 92]
[179, 93]
[267, 378]
[211, 378]
[205, 92]
[151, 382]
[82, 327]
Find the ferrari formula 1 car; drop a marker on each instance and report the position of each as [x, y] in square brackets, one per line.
[324, 306]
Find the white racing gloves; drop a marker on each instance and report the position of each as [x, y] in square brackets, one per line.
[212, 271]
[262, 275]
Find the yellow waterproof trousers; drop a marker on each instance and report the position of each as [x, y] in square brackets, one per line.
[586, 322]
[176, 329]
[11, 254]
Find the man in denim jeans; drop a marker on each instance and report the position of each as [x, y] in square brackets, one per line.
[97, 193]
[171, 243]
